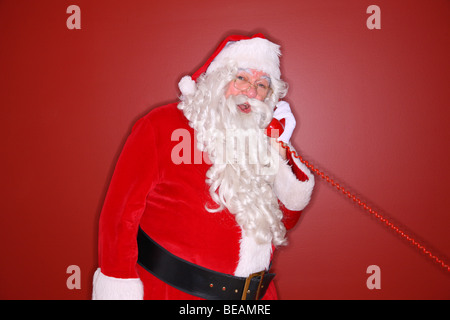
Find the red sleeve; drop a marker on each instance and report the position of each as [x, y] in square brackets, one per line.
[290, 217]
[300, 175]
[134, 176]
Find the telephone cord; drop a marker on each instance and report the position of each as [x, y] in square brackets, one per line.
[366, 207]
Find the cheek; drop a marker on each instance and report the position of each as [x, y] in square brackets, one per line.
[260, 98]
[231, 91]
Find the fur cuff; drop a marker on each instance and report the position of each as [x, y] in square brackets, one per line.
[293, 193]
[253, 257]
[109, 288]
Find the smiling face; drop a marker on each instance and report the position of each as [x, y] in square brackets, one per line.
[252, 83]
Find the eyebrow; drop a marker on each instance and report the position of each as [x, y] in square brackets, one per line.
[249, 71]
[245, 70]
[267, 78]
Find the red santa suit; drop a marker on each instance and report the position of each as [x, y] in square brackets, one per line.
[167, 201]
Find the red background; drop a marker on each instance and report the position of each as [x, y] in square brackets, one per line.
[372, 111]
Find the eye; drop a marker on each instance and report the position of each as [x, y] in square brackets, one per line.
[262, 85]
[241, 78]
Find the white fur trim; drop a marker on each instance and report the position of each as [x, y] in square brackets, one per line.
[187, 86]
[293, 193]
[109, 288]
[256, 53]
[283, 111]
[253, 257]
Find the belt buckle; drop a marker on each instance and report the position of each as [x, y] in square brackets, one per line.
[247, 284]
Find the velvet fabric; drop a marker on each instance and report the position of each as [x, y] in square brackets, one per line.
[168, 201]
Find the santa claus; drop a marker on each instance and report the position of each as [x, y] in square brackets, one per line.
[171, 228]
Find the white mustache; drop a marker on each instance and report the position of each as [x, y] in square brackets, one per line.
[261, 111]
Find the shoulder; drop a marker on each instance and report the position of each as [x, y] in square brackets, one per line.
[162, 121]
[164, 116]
[168, 111]
[167, 115]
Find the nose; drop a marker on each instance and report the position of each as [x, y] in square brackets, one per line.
[251, 92]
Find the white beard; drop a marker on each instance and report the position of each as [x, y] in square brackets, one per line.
[242, 174]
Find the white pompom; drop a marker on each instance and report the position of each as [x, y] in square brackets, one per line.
[187, 86]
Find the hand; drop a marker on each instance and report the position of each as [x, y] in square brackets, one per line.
[283, 111]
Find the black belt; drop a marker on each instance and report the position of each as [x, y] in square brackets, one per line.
[196, 280]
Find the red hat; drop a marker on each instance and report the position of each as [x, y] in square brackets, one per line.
[255, 52]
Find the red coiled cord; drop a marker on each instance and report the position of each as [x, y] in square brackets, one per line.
[350, 195]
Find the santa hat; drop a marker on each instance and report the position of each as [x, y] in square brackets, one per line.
[255, 52]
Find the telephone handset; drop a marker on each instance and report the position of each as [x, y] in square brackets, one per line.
[275, 128]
